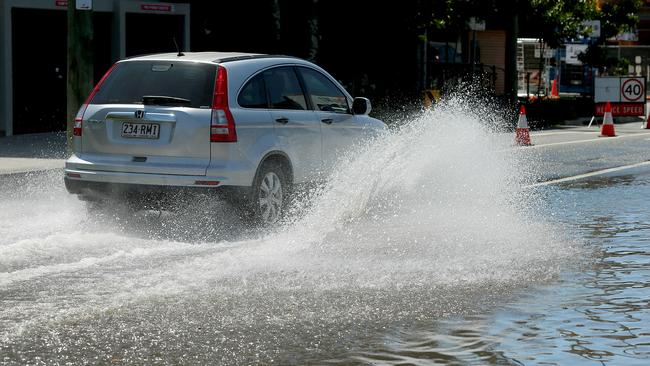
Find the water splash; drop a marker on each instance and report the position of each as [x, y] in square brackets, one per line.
[436, 203]
[440, 199]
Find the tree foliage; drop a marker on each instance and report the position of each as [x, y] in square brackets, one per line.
[453, 15]
[556, 21]
[618, 16]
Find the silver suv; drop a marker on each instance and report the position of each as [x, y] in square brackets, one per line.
[249, 126]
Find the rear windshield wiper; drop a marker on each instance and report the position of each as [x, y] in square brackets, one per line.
[165, 100]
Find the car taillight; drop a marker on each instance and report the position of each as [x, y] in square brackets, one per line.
[222, 126]
[76, 131]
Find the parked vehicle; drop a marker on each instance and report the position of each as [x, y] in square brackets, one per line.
[246, 126]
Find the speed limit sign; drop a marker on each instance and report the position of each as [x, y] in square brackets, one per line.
[632, 90]
[626, 95]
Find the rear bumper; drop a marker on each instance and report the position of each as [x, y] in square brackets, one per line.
[83, 187]
[93, 185]
[152, 195]
[144, 179]
[156, 171]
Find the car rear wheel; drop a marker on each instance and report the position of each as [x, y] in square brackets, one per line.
[270, 193]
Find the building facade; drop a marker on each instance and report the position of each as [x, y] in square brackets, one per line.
[33, 54]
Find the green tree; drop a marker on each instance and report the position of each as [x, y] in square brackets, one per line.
[556, 21]
[617, 17]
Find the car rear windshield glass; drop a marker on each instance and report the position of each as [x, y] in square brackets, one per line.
[129, 82]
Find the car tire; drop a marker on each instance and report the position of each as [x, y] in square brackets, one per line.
[270, 194]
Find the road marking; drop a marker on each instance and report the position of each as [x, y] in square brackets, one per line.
[609, 138]
[559, 132]
[588, 175]
[590, 140]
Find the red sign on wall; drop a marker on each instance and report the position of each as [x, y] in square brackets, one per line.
[61, 2]
[156, 7]
[622, 109]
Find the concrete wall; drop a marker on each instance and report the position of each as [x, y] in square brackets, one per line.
[493, 52]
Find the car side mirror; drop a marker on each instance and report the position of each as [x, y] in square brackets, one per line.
[361, 106]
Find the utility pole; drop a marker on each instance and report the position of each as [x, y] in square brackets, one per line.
[425, 61]
[314, 36]
[80, 59]
[510, 77]
[277, 25]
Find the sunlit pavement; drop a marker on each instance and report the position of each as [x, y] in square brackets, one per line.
[32, 152]
[585, 133]
[572, 151]
[22, 165]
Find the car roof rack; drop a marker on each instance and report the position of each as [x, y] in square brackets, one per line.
[249, 57]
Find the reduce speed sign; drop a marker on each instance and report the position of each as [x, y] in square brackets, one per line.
[632, 90]
[626, 95]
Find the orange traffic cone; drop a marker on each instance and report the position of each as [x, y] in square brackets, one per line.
[646, 124]
[522, 137]
[554, 92]
[607, 128]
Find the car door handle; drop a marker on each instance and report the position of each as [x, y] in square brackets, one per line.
[282, 120]
[327, 120]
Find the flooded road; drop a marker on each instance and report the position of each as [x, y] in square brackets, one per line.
[424, 248]
[597, 314]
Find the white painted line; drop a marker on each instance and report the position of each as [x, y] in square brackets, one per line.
[534, 146]
[560, 132]
[589, 140]
[588, 175]
[610, 138]
[598, 139]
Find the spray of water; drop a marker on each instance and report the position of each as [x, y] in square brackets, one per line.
[434, 203]
[437, 201]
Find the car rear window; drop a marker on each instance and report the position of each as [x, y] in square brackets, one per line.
[284, 89]
[130, 81]
[253, 94]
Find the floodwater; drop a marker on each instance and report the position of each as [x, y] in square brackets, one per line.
[424, 247]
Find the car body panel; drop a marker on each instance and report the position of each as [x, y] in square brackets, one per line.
[255, 138]
[339, 133]
[183, 154]
[300, 138]
[181, 147]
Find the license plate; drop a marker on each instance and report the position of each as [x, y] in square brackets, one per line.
[140, 130]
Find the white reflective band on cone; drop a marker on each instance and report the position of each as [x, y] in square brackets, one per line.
[523, 122]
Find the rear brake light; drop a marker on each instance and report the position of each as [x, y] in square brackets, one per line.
[222, 126]
[76, 131]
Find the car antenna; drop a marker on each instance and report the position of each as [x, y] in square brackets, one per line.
[177, 48]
